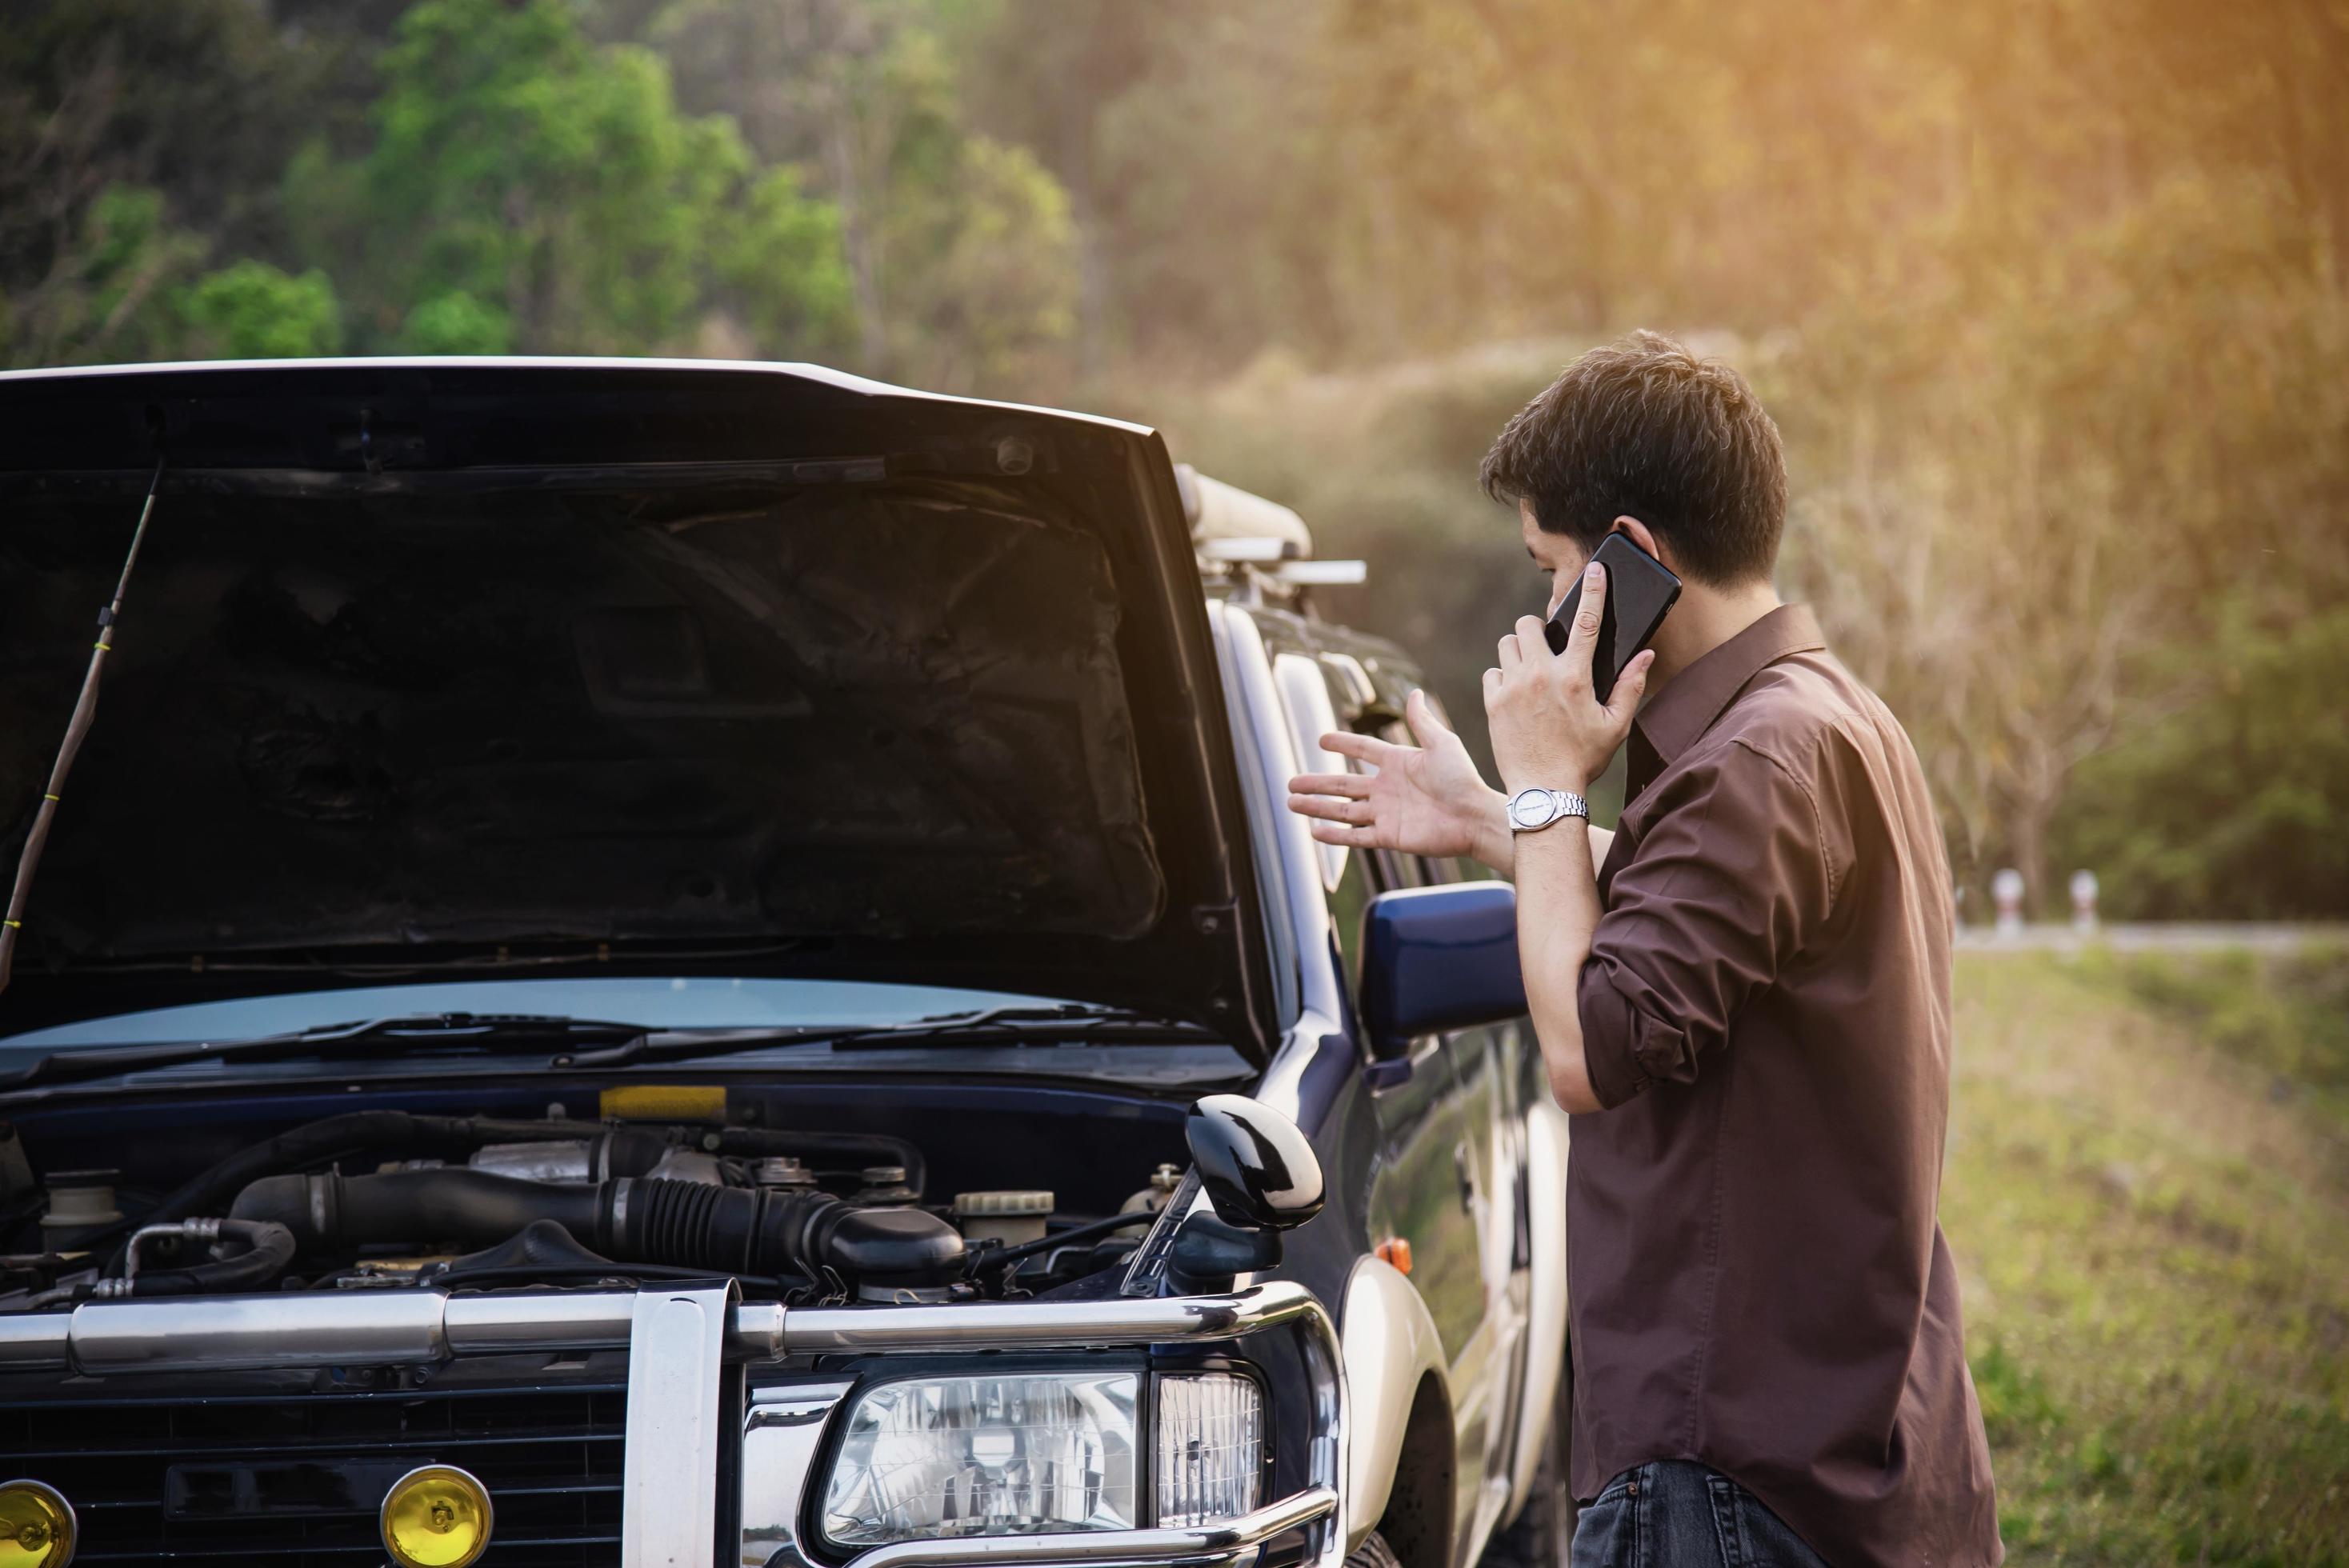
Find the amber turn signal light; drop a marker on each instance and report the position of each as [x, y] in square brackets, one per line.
[1396, 1252]
[436, 1516]
[37, 1526]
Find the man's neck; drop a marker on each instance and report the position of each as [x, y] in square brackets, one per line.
[1705, 618]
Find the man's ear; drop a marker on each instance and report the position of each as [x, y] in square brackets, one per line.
[1631, 528]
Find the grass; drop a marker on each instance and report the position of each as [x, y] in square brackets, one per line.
[2147, 1193]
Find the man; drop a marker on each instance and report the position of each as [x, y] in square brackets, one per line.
[1746, 1007]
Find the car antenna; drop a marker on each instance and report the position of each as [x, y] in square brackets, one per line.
[77, 728]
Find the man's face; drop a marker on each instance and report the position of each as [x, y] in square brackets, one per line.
[1557, 557]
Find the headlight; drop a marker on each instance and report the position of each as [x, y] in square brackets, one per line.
[1210, 1448]
[1016, 1455]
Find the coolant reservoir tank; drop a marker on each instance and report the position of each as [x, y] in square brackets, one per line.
[1011, 1216]
[80, 1197]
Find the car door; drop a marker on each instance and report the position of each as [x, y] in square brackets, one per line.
[1489, 1166]
[1423, 1192]
[1447, 1183]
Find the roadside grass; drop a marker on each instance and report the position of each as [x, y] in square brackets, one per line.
[2147, 1194]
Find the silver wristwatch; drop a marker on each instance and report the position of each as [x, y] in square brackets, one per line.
[1530, 810]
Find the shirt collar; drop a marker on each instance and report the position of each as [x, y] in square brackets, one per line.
[1693, 699]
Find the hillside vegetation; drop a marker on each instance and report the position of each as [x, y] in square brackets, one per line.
[2050, 300]
[2147, 1193]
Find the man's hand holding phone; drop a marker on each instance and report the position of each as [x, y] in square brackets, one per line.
[1429, 800]
[1549, 729]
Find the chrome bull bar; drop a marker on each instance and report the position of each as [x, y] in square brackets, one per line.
[673, 1402]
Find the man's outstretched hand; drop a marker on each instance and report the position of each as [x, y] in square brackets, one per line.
[1423, 799]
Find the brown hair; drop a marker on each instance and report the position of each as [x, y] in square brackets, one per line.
[1644, 428]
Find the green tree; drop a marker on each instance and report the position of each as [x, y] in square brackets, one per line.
[107, 289]
[550, 184]
[253, 311]
[2233, 802]
[136, 140]
[456, 322]
[961, 256]
[994, 299]
[782, 260]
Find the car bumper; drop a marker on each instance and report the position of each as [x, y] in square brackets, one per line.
[678, 1339]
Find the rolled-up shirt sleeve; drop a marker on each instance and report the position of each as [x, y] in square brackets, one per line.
[1729, 876]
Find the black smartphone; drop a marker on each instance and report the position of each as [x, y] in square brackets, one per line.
[1640, 590]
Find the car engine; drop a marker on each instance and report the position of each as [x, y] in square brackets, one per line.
[388, 1198]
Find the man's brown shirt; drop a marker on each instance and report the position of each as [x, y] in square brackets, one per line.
[1759, 1281]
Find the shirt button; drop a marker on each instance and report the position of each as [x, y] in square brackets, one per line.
[1632, 1490]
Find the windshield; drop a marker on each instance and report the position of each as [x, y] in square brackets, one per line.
[677, 1003]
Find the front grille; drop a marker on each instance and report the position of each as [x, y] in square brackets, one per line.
[294, 1479]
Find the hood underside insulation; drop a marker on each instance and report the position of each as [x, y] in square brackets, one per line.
[351, 720]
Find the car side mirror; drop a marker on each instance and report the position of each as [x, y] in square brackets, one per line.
[1439, 958]
[1259, 1172]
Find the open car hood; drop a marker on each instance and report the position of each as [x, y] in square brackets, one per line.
[534, 666]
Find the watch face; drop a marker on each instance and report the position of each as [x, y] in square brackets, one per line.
[1532, 808]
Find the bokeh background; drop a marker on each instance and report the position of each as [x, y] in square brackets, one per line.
[2049, 298]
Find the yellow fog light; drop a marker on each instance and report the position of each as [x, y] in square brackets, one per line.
[436, 1516]
[37, 1526]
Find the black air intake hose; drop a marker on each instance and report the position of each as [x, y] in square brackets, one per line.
[684, 1225]
[403, 1135]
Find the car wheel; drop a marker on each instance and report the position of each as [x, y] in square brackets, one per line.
[1542, 1535]
[1374, 1553]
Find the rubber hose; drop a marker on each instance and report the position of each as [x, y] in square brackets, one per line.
[268, 1248]
[412, 1136]
[688, 1224]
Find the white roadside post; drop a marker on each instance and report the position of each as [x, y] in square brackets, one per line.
[2083, 903]
[2006, 888]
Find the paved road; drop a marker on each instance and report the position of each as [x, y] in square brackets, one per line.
[2257, 936]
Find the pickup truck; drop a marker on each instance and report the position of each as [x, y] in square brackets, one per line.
[660, 962]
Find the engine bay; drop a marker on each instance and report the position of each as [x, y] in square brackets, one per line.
[954, 1207]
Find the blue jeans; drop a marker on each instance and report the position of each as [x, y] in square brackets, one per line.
[1673, 1513]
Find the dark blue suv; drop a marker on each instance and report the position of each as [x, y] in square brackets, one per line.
[675, 963]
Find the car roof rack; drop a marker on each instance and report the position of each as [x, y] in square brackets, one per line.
[1251, 548]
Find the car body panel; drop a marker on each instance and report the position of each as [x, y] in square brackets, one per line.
[1450, 1175]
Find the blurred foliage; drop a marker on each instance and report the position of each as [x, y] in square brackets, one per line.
[526, 186]
[2148, 1198]
[2232, 801]
[2049, 298]
[253, 311]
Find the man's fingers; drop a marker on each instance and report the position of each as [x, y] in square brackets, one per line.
[1532, 642]
[1624, 701]
[1367, 749]
[1333, 808]
[1509, 652]
[1326, 807]
[1354, 786]
[1353, 838]
[1583, 637]
[1424, 726]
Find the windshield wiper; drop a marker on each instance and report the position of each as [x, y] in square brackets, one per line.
[432, 1033]
[1019, 1023]
[597, 1043]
